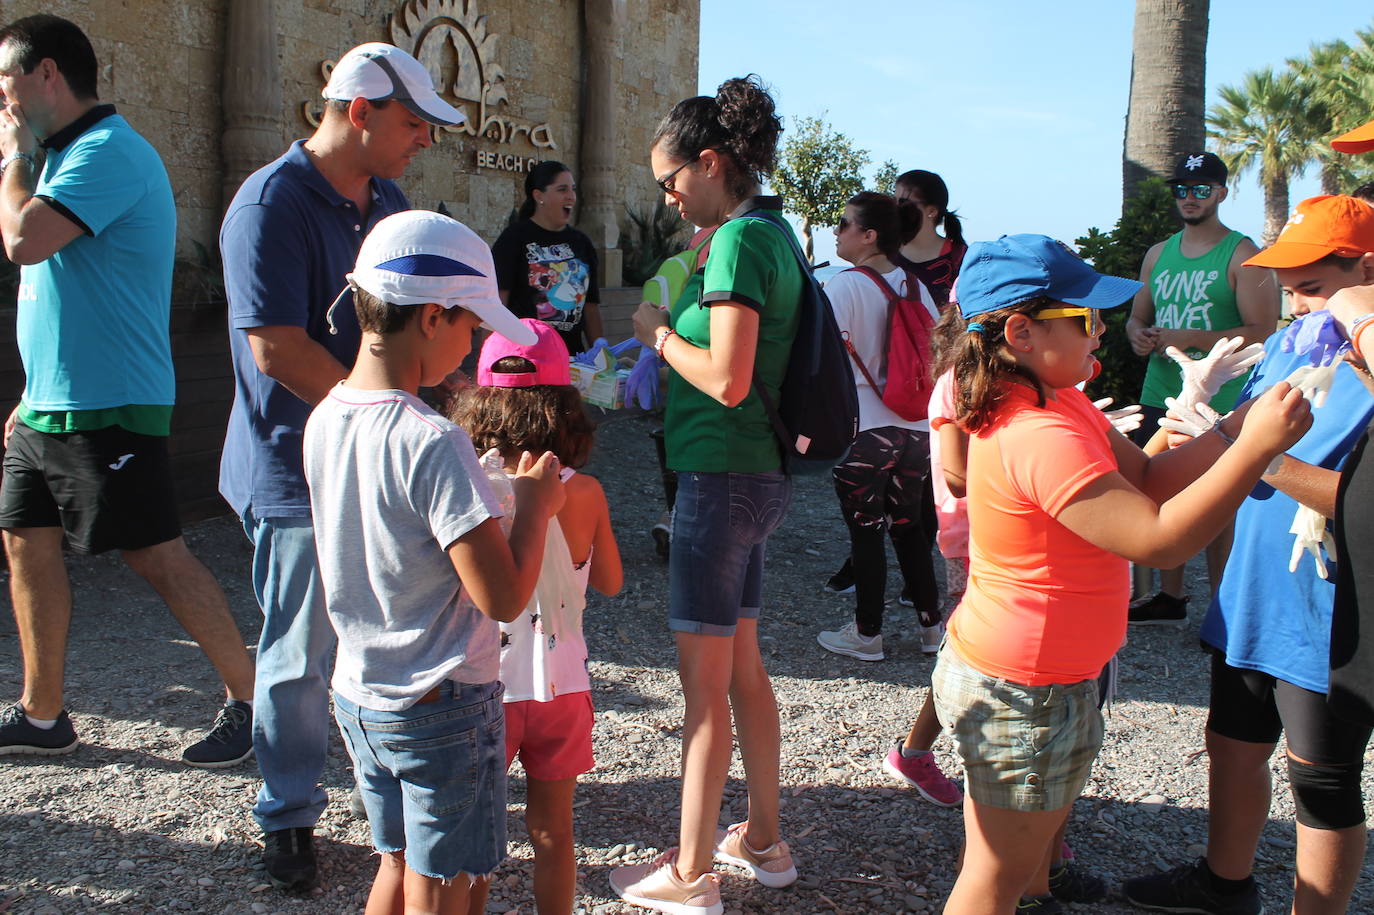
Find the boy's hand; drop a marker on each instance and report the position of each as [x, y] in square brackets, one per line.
[1349, 305]
[537, 484]
[1276, 419]
[1203, 378]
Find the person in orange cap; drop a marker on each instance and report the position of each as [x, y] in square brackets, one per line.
[1269, 626]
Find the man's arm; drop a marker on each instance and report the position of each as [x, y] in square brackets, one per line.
[287, 355]
[32, 230]
[1257, 301]
[1140, 329]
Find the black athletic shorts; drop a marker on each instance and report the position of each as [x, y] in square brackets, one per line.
[108, 489]
[1255, 707]
[1149, 424]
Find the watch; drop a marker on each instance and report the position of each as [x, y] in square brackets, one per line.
[8, 160]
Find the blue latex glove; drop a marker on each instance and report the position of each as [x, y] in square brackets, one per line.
[624, 347]
[589, 357]
[1317, 336]
[642, 385]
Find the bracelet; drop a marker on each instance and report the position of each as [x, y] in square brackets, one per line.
[662, 337]
[1360, 324]
[9, 160]
[1216, 427]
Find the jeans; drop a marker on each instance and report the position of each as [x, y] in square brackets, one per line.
[291, 709]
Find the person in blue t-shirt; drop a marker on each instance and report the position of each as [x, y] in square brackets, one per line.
[88, 214]
[289, 238]
[1269, 625]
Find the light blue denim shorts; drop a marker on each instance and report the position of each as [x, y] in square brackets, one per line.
[433, 778]
[721, 523]
[1023, 747]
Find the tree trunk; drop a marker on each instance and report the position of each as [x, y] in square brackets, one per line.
[1331, 178]
[808, 243]
[1166, 111]
[1275, 206]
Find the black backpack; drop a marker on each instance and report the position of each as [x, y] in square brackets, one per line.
[817, 414]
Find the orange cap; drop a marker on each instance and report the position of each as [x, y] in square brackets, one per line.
[1359, 140]
[1330, 224]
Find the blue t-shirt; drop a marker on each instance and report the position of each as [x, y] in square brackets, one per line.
[1265, 617]
[93, 318]
[288, 239]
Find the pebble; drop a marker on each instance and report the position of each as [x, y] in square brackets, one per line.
[1153, 803]
[126, 865]
[258, 908]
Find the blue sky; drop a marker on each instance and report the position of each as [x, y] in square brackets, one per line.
[1020, 107]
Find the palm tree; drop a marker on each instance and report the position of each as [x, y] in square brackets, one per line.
[1168, 100]
[1263, 123]
[1339, 79]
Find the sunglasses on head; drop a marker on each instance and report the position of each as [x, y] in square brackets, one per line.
[1199, 191]
[1089, 315]
[668, 182]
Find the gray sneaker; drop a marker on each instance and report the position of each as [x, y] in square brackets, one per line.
[847, 641]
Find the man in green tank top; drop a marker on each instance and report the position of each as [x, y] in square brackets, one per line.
[1195, 293]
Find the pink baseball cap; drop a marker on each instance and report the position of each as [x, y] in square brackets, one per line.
[548, 353]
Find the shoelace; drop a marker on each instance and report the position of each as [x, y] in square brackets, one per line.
[11, 715]
[229, 719]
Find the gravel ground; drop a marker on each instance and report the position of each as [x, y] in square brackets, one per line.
[121, 825]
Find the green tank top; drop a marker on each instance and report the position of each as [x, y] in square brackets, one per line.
[1191, 293]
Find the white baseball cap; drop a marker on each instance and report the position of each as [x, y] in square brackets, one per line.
[418, 256]
[378, 71]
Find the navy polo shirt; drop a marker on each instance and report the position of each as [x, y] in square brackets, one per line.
[288, 239]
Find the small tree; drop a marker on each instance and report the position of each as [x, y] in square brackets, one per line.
[818, 171]
[885, 179]
[1149, 217]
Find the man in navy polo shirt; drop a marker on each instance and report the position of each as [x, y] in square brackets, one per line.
[86, 449]
[289, 237]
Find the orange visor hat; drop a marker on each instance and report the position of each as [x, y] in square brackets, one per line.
[1359, 140]
[1331, 224]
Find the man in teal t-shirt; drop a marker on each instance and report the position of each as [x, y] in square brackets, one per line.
[88, 214]
[1195, 294]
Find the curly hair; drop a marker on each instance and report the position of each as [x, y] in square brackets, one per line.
[741, 123]
[543, 417]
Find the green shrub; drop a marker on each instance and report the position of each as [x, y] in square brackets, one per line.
[649, 238]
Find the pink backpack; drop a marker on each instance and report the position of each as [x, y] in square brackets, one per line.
[907, 359]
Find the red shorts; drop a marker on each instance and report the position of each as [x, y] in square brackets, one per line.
[553, 739]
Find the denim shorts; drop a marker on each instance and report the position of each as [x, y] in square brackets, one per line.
[433, 778]
[1023, 747]
[721, 522]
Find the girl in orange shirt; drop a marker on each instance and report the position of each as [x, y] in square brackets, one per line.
[1058, 502]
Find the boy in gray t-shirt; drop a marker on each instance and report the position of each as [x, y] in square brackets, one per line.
[416, 568]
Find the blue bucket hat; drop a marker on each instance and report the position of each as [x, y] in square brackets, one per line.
[1014, 268]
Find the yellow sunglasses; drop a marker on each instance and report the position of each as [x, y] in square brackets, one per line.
[1089, 316]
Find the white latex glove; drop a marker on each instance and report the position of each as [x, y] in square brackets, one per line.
[1126, 420]
[1314, 381]
[1190, 419]
[1310, 535]
[1202, 378]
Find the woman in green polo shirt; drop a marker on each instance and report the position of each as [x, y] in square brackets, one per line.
[732, 328]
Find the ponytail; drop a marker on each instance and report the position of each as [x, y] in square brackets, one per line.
[977, 353]
[954, 229]
[896, 222]
[932, 191]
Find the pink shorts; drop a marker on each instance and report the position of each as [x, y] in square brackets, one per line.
[553, 739]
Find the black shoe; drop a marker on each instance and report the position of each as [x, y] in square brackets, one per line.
[1160, 610]
[289, 856]
[662, 535]
[1072, 883]
[18, 736]
[1039, 905]
[229, 741]
[905, 599]
[1189, 889]
[842, 582]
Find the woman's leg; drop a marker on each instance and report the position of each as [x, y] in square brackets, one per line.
[388, 888]
[1329, 862]
[905, 497]
[705, 668]
[549, 822]
[1004, 851]
[756, 722]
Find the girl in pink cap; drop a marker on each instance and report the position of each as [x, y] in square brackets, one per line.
[524, 401]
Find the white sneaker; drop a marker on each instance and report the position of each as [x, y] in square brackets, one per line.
[847, 641]
[931, 637]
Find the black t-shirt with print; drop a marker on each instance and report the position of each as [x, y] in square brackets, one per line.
[550, 275]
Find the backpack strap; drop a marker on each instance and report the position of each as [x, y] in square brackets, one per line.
[892, 299]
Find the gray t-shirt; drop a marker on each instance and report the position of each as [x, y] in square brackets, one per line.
[392, 485]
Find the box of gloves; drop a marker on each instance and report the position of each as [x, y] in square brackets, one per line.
[602, 384]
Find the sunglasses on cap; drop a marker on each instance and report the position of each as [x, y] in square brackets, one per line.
[667, 182]
[1199, 191]
[1089, 315]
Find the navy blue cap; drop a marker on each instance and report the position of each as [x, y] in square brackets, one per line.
[1014, 268]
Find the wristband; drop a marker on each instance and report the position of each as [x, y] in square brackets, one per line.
[9, 160]
[1361, 323]
[661, 338]
[1221, 433]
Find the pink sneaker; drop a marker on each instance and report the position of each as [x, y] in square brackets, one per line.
[923, 774]
[772, 867]
[656, 885]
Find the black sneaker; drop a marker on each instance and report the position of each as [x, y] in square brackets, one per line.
[905, 598]
[842, 582]
[1160, 610]
[663, 535]
[1072, 883]
[289, 856]
[1039, 905]
[229, 741]
[18, 736]
[1189, 889]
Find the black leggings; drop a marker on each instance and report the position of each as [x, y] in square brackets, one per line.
[882, 484]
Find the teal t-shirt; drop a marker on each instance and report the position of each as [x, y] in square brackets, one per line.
[752, 263]
[93, 318]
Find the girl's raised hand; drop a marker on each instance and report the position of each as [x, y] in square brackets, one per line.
[537, 484]
[1276, 419]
